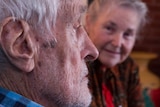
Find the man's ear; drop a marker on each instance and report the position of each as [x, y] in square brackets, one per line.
[17, 43]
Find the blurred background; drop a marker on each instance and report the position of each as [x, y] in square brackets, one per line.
[147, 53]
[150, 36]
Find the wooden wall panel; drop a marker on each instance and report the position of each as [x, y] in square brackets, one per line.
[150, 36]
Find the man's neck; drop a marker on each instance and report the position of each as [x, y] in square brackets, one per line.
[23, 85]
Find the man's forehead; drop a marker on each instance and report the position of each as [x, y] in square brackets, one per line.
[71, 10]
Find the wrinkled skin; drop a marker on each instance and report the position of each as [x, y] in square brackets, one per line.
[61, 71]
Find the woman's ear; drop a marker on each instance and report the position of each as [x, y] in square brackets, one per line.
[18, 43]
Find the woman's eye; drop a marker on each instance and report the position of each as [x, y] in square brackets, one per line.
[128, 34]
[109, 29]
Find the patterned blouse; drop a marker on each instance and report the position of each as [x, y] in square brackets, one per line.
[122, 81]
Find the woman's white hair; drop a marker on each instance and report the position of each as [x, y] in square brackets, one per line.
[40, 14]
[137, 5]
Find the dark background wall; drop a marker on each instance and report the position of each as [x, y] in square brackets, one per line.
[150, 36]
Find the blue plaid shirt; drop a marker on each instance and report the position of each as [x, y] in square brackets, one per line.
[12, 99]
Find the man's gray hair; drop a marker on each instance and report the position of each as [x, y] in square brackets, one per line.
[40, 14]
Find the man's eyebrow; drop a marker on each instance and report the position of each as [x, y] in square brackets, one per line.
[83, 8]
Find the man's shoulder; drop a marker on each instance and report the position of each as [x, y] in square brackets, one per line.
[1, 105]
[11, 99]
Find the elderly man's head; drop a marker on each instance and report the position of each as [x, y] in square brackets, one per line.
[43, 52]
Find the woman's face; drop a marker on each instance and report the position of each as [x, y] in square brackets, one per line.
[114, 32]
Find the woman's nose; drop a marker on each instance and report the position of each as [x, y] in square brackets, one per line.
[117, 40]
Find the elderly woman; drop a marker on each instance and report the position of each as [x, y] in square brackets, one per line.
[113, 26]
